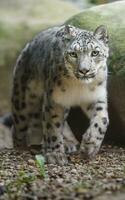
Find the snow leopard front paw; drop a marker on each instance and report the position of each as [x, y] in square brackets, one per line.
[89, 147]
[70, 147]
[58, 158]
[89, 151]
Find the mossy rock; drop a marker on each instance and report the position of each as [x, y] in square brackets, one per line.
[111, 15]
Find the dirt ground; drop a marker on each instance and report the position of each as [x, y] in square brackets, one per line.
[100, 179]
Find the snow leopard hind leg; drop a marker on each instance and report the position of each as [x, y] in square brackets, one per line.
[26, 99]
[26, 107]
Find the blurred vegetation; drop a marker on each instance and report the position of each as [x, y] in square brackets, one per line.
[20, 20]
[98, 1]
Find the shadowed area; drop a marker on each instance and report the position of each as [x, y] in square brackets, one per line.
[116, 130]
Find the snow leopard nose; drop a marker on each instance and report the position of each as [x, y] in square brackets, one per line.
[84, 71]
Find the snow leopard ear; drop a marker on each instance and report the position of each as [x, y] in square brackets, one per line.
[70, 31]
[67, 32]
[101, 34]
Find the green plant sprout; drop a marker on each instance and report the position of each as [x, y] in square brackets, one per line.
[40, 162]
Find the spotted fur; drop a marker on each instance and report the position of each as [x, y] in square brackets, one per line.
[61, 67]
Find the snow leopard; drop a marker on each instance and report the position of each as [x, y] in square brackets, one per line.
[60, 68]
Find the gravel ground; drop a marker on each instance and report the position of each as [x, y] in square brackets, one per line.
[100, 179]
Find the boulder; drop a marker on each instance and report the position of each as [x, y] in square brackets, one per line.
[111, 15]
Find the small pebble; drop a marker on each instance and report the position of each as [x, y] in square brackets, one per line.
[31, 162]
[74, 171]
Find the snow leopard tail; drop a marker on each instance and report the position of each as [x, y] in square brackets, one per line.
[6, 135]
[7, 120]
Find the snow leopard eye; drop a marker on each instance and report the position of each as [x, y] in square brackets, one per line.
[94, 53]
[73, 54]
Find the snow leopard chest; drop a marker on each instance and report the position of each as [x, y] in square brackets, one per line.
[74, 93]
